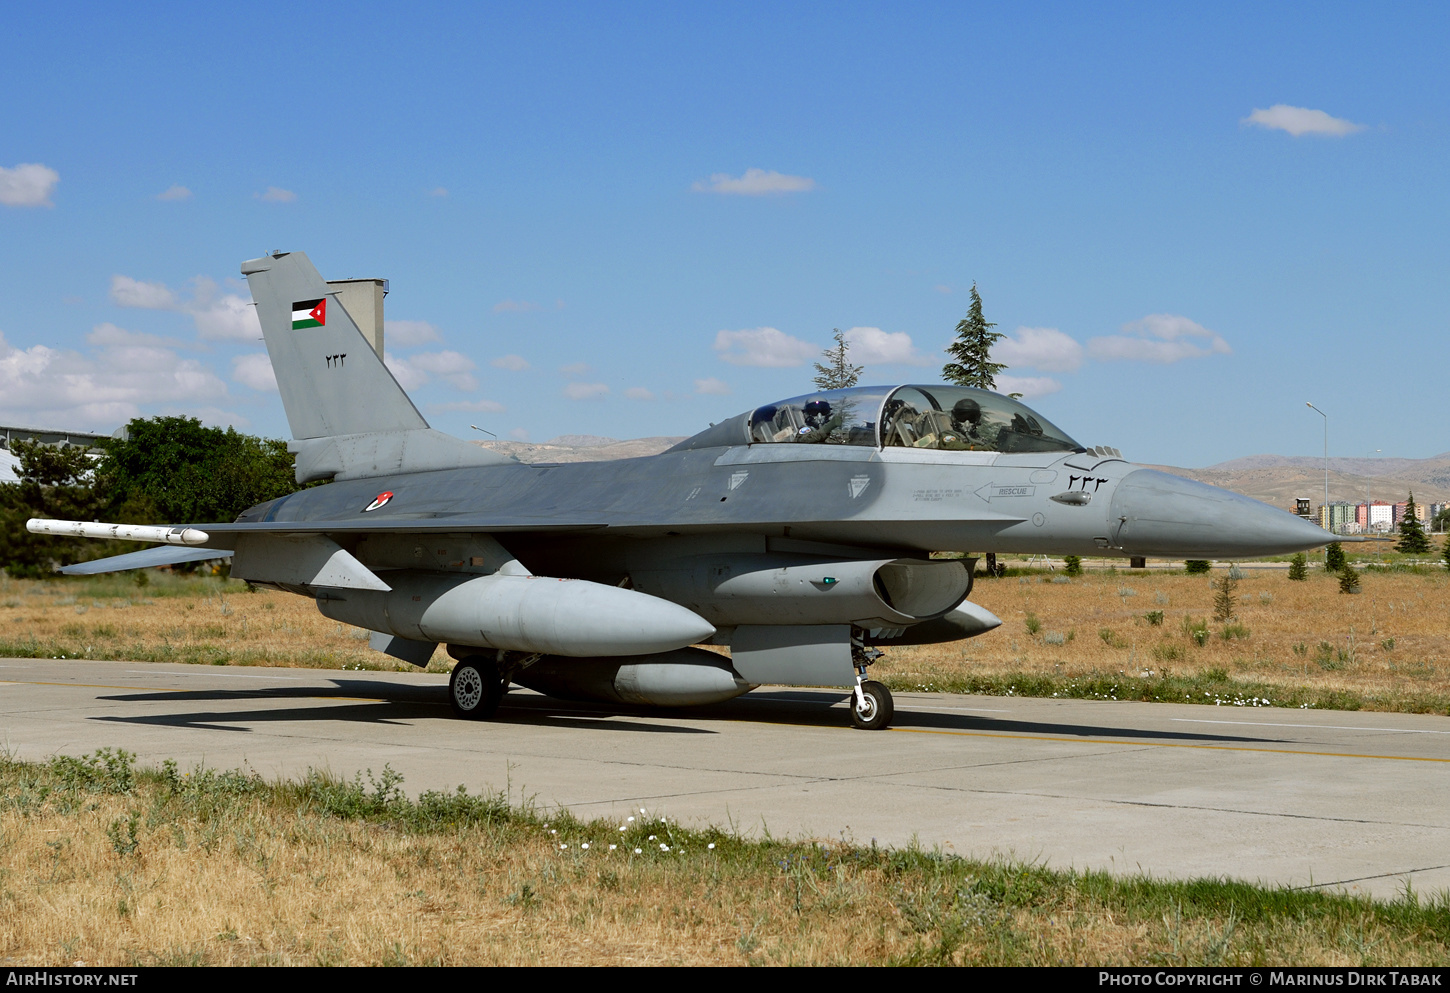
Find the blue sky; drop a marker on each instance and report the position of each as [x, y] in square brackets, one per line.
[635, 219]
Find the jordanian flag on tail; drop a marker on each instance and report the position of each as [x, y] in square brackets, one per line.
[309, 314]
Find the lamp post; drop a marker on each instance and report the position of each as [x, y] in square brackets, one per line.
[1326, 460]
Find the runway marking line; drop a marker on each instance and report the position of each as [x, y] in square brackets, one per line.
[1172, 744]
[1327, 727]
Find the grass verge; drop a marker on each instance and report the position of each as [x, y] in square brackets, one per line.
[104, 863]
[1213, 687]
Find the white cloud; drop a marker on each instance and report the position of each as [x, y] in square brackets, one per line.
[576, 369]
[1301, 120]
[1028, 386]
[408, 377]
[174, 192]
[586, 391]
[1047, 349]
[471, 406]
[872, 346]
[1160, 338]
[514, 306]
[128, 292]
[513, 363]
[42, 385]
[29, 184]
[763, 347]
[639, 393]
[942, 288]
[519, 434]
[438, 191]
[451, 367]
[711, 387]
[255, 370]
[228, 317]
[755, 183]
[275, 194]
[406, 334]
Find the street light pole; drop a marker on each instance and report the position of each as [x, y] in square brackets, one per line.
[1326, 460]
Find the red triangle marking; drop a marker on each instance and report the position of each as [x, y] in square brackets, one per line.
[319, 313]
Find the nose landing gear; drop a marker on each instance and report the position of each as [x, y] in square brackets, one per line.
[871, 705]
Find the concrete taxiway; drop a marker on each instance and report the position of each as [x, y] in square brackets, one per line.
[1349, 801]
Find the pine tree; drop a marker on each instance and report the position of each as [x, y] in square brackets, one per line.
[837, 373]
[1334, 557]
[1348, 579]
[1412, 532]
[1447, 551]
[1223, 600]
[971, 352]
[1298, 567]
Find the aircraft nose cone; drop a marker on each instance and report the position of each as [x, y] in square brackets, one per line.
[1155, 513]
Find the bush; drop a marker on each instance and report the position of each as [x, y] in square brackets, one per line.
[1155, 618]
[1072, 564]
[1196, 567]
[1299, 568]
[1348, 579]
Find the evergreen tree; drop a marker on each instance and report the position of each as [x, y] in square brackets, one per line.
[1447, 551]
[971, 352]
[1298, 567]
[1223, 600]
[837, 373]
[1072, 565]
[1348, 579]
[1412, 532]
[1334, 559]
[56, 483]
[1197, 567]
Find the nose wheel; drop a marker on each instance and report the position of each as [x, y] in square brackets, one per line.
[871, 706]
[475, 688]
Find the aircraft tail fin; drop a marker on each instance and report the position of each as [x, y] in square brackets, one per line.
[349, 417]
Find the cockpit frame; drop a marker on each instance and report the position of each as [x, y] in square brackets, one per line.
[923, 416]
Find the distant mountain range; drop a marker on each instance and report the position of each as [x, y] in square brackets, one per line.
[1279, 479]
[1274, 479]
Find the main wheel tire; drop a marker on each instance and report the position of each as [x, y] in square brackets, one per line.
[875, 708]
[475, 688]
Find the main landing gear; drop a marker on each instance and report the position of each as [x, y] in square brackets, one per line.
[475, 688]
[871, 705]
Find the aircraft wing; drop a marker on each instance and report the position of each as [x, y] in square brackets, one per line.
[147, 558]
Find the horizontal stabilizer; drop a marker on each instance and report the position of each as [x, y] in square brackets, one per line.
[147, 558]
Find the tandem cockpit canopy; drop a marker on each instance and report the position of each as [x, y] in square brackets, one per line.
[945, 418]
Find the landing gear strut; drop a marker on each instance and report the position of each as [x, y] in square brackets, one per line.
[871, 705]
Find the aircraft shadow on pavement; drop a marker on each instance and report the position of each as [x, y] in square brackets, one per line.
[402, 704]
[384, 703]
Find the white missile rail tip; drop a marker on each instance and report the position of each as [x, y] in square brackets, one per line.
[119, 532]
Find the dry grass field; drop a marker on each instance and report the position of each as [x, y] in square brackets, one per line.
[1127, 634]
[102, 865]
[1292, 643]
[1140, 634]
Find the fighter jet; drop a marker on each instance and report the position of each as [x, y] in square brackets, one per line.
[789, 544]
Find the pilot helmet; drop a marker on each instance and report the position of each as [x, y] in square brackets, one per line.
[818, 408]
[968, 410]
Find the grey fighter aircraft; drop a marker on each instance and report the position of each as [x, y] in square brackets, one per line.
[797, 535]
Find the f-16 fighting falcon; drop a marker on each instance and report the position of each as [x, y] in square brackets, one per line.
[797, 535]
